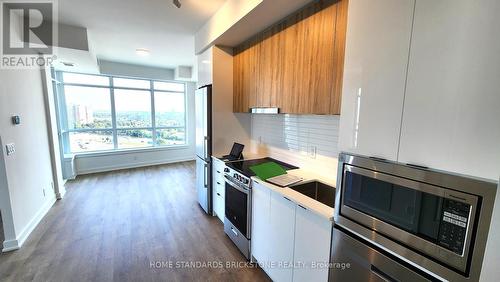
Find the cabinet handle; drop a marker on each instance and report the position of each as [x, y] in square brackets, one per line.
[218, 182]
[302, 207]
[287, 198]
[218, 171]
[218, 194]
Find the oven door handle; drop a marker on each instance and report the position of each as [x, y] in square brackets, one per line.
[228, 181]
[382, 275]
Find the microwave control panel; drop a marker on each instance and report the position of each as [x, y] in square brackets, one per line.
[453, 227]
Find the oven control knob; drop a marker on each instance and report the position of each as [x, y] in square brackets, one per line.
[235, 176]
[245, 181]
[226, 169]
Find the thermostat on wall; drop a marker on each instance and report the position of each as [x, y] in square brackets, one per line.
[16, 120]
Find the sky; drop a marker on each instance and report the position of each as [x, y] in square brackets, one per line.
[99, 99]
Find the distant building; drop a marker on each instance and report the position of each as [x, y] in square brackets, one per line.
[83, 114]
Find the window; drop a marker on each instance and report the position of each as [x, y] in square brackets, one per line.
[102, 113]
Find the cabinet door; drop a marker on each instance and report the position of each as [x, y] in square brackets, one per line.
[205, 71]
[312, 246]
[261, 207]
[281, 238]
[218, 188]
[451, 117]
[295, 65]
[246, 76]
[309, 70]
[376, 57]
[219, 205]
[271, 68]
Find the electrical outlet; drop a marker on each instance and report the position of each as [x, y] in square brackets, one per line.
[11, 149]
[312, 152]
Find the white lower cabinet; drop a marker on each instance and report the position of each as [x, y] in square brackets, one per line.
[261, 226]
[218, 191]
[289, 242]
[281, 237]
[312, 246]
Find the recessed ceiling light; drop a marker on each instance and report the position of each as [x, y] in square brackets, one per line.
[68, 64]
[205, 62]
[142, 52]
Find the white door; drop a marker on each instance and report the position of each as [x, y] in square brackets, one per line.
[261, 208]
[376, 57]
[451, 118]
[312, 246]
[281, 238]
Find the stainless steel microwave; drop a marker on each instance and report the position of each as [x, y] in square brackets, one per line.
[435, 221]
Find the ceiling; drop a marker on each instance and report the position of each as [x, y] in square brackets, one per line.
[116, 28]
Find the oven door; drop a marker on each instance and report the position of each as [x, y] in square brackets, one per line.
[429, 219]
[237, 206]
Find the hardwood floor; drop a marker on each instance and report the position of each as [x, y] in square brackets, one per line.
[113, 226]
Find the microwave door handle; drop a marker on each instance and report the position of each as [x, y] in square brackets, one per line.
[439, 210]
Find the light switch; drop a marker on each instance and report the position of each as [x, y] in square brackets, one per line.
[11, 149]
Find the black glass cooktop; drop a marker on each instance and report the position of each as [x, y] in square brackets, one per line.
[244, 166]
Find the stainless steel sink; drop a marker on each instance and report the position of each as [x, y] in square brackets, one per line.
[318, 191]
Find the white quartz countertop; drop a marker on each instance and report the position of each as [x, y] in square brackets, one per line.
[309, 203]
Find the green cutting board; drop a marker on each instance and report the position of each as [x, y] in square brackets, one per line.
[268, 170]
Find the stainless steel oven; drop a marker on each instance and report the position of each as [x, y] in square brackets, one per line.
[434, 221]
[237, 221]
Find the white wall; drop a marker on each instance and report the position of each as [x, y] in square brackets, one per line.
[28, 171]
[228, 14]
[55, 149]
[122, 69]
[289, 138]
[98, 162]
[5, 206]
[227, 127]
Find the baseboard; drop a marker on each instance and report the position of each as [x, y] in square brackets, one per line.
[62, 192]
[132, 165]
[12, 245]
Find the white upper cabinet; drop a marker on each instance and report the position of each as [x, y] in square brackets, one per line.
[451, 118]
[376, 59]
[205, 67]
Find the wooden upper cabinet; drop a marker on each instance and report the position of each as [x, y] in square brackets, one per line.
[295, 65]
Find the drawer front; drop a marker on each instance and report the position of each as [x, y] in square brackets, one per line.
[365, 263]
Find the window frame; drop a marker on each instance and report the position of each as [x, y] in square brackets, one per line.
[65, 131]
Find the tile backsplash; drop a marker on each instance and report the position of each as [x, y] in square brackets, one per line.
[308, 141]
